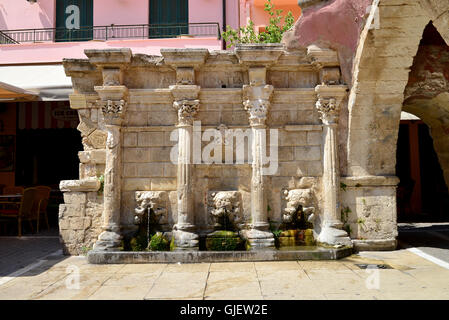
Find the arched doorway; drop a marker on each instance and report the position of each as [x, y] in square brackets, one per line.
[384, 85]
[423, 176]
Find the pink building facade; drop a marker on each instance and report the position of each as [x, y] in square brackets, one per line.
[33, 84]
[19, 15]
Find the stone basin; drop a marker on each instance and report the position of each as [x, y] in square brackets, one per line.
[285, 254]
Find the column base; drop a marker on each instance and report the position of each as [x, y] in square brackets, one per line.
[334, 237]
[108, 241]
[259, 240]
[185, 240]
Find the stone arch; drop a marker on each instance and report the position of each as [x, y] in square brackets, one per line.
[427, 92]
[381, 71]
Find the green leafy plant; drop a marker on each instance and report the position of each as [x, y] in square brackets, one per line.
[172, 244]
[343, 186]
[85, 250]
[345, 211]
[276, 232]
[158, 242]
[361, 223]
[344, 218]
[273, 31]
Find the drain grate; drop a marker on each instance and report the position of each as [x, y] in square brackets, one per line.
[374, 266]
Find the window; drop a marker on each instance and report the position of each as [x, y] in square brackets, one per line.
[74, 20]
[168, 18]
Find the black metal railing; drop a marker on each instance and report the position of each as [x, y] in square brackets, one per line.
[112, 32]
[4, 39]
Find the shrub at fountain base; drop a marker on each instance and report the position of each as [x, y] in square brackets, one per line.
[224, 241]
[158, 243]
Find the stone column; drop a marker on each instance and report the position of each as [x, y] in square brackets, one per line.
[257, 103]
[113, 113]
[328, 105]
[186, 106]
[186, 103]
[113, 95]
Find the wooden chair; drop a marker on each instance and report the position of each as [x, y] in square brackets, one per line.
[24, 211]
[13, 190]
[42, 198]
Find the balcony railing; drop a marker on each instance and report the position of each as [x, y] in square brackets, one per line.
[4, 39]
[112, 32]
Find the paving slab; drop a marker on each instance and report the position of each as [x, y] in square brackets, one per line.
[412, 277]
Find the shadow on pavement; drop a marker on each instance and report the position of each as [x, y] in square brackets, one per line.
[18, 253]
[431, 235]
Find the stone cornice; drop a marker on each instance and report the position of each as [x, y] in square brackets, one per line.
[370, 181]
[255, 55]
[84, 185]
[109, 57]
[74, 66]
[179, 58]
[322, 57]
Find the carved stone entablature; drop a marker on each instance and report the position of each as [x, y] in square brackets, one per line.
[156, 201]
[225, 206]
[297, 201]
[112, 76]
[257, 103]
[186, 109]
[329, 101]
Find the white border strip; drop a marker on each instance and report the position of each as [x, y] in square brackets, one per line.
[428, 257]
[19, 272]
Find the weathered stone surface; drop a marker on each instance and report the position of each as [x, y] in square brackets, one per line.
[91, 184]
[127, 132]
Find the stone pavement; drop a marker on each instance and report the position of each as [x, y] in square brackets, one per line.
[411, 277]
[17, 253]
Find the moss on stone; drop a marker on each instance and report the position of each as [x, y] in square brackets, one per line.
[223, 240]
[172, 244]
[308, 237]
[222, 234]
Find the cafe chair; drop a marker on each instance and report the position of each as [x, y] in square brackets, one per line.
[40, 205]
[24, 211]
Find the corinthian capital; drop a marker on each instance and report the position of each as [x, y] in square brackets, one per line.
[186, 109]
[257, 103]
[257, 110]
[329, 101]
[328, 110]
[113, 110]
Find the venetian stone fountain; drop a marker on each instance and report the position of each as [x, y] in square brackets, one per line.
[224, 154]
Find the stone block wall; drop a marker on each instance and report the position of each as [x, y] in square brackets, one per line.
[128, 120]
[80, 215]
